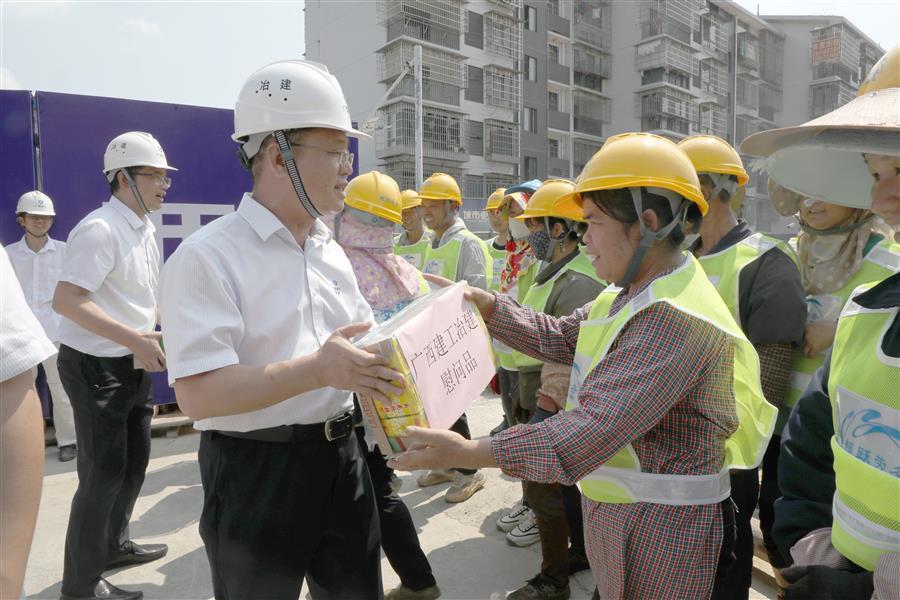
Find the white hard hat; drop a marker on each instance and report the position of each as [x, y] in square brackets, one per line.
[133, 149]
[290, 94]
[35, 203]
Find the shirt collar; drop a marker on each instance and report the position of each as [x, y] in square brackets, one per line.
[50, 246]
[265, 223]
[735, 234]
[132, 219]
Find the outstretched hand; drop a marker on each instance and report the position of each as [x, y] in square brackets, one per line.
[346, 367]
[442, 449]
[483, 301]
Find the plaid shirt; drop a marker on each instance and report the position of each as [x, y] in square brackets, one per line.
[665, 387]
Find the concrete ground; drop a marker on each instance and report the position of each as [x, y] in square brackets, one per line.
[469, 556]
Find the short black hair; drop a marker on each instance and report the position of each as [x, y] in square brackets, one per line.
[114, 184]
[724, 195]
[619, 205]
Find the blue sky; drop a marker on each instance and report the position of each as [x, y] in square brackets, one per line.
[200, 52]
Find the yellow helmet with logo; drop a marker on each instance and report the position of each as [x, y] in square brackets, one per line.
[884, 74]
[543, 203]
[711, 154]
[409, 199]
[631, 160]
[441, 186]
[496, 199]
[375, 193]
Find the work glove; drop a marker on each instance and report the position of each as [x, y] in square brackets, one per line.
[818, 582]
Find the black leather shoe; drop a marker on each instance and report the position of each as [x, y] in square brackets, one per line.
[106, 591]
[135, 554]
[67, 453]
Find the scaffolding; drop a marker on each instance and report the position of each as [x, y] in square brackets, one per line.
[437, 21]
[665, 53]
[502, 35]
[674, 18]
[501, 141]
[502, 87]
[592, 22]
[442, 132]
[442, 67]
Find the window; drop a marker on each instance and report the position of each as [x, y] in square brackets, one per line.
[529, 119]
[553, 52]
[530, 68]
[475, 84]
[530, 168]
[553, 148]
[476, 138]
[475, 32]
[553, 100]
[530, 18]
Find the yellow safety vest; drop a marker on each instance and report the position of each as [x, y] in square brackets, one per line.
[414, 253]
[505, 355]
[539, 293]
[620, 480]
[724, 268]
[498, 260]
[444, 259]
[864, 388]
[882, 261]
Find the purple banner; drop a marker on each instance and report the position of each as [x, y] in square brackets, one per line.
[17, 166]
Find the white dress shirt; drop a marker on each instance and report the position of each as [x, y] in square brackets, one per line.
[112, 254]
[38, 273]
[23, 344]
[242, 291]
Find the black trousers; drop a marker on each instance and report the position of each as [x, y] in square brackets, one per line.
[745, 492]
[769, 492]
[399, 538]
[112, 408]
[461, 426]
[276, 513]
[509, 389]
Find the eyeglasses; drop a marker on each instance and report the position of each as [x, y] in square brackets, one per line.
[157, 179]
[345, 158]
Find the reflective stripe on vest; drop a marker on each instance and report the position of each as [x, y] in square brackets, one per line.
[620, 480]
[539, 293]
[444, 260]
[882, 261]
[724, 268]
[518, 291]
[863, 387]
[414, 253]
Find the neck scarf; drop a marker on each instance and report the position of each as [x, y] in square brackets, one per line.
[827, 262]
[518, 258]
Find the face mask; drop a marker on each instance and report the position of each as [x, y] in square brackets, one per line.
[518, 230]
[540, 244]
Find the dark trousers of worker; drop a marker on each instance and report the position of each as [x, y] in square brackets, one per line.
[112, 409]
[745, 493]
[399, 538]
[558, 511]
[275, 513]
[509, 389]
[461, 426]
[769, 492]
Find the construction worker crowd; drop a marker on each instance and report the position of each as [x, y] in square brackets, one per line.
[664, 370]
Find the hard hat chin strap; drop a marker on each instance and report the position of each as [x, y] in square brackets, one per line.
[723, 182]
[284, 146]
[648, 237]
[132, 185]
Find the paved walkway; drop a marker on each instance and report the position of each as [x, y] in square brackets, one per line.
[469, 556]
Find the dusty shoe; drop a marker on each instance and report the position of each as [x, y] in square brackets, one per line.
[508, 522]
[526, 532]
[540, 588]
[435, 477]
[67, 453]
[401, 592]
[464, 486]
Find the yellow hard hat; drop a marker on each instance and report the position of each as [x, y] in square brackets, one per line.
[637, 160]
[375, 193]
[885, 74]
[711, 154]
[441, 186]
[495, 199]
[543, 203]
[409, 199]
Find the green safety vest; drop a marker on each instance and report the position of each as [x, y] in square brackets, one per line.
[724, 268]
[539, 293]
[882, 261]
[498, 261]
[864, 388]
[620, 480]
[444, 260]
[503, 354]
[414, 253]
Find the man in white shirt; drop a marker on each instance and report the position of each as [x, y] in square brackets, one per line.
[23, 346]
[107, 298]
[257, 311]
[37, 260]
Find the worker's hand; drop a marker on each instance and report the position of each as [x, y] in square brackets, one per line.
[431, 449]
[483, 301]
[343, 366]
[818, 337]
[825, 583]
[148, 352]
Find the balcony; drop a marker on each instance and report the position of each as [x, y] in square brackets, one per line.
[558, 24]
[441, 133]
[587, 125]
[501, 141]
[437, 21]
[432, 91]
[559, 73]
[558, 120]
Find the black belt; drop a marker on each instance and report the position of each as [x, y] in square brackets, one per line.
[332, 430]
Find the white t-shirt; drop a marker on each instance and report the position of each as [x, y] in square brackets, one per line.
[112, 254]
[242, 291]
[23, 343]
[38, 273]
